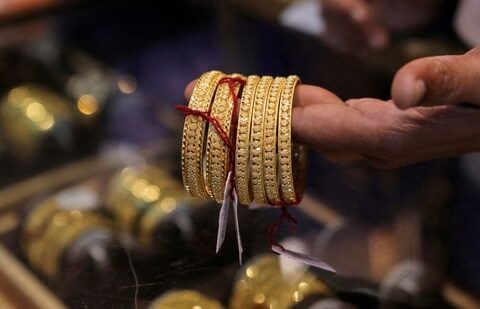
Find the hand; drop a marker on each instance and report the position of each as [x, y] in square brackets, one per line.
[443, 80]
[377, 131]
[359, 26]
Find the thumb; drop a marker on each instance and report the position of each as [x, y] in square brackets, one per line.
[441, 80]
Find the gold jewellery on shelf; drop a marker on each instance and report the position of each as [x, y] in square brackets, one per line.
[243, 125]
[185, 299]
[51, 227]
[141, 198]
[262, 284]
[29, 114]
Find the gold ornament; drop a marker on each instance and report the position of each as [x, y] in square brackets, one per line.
[269, 167]
[185, 299]
[261, 284]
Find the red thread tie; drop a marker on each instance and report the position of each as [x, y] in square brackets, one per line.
[273, 228]
[231, 86]
[187, 111]
[230, 143]
[205, 115]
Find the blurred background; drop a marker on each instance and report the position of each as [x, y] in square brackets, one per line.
[92, 210]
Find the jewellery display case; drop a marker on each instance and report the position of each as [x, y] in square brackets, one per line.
[93, 213]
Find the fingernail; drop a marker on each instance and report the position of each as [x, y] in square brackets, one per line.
[412, 94]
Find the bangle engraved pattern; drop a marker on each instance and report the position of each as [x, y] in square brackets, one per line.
[285, 141]
[194, 134]
[217, 153]
[242, 153]
[270, 141]
[256, 140]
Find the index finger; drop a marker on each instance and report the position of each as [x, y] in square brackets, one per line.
[189, 89]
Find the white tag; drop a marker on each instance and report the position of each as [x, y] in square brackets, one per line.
[223, 217]
[306, 259]
[222, 221]
[237, 226]
[292, 270]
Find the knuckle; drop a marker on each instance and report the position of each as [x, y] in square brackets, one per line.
[351, 102]
[447, 86]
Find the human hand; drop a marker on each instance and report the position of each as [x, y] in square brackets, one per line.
[423, 121]
[359, 26]
[441, 80]
[377, 131]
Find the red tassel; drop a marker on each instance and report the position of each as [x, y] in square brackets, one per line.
[205, 115]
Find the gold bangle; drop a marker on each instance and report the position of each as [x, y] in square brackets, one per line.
[36, 222]
[261, 283]
[217, 153]
[37, 225]
[242, 153]
[194, 134]
[133, 191]
[256, 140]
[184, 299]
[156, 214]
[290, 193]
[53, 230]
[66, 234]
[269, 167]
[270, 141]
[57, 228]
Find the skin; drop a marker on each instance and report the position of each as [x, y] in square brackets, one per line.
[365, 26]
[12, 7]
[424, 120]
[23, 32]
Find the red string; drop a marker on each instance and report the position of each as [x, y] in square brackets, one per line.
[282, 203]
[273, 228]
[187, 111]
[229, 141]
[231, 86]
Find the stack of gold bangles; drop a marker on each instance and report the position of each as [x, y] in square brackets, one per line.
[141, 198]
[49, 230]
[268, 167]
[262, 284]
